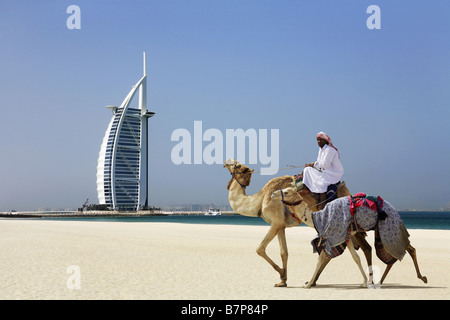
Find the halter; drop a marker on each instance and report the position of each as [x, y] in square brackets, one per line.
[233, 174]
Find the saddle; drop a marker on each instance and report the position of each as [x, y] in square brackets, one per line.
[372, 202]
[321, 198]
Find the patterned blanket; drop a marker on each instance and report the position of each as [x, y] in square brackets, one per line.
[335, 222]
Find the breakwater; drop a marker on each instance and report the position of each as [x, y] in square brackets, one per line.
[98, 213]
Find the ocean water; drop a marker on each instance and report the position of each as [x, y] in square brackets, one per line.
[426, 219]
[412, 219]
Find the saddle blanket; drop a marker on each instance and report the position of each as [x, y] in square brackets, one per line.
[335, 222]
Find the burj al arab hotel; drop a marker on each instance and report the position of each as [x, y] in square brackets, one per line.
[122, 169]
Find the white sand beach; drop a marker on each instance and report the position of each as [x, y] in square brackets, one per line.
[120, 260]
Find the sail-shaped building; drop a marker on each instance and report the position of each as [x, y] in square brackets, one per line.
[122, 169]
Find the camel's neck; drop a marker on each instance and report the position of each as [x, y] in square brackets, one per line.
[310, 202]
[243, 204]
[303, 212]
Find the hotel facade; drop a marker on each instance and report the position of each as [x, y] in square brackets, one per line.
[122, 168]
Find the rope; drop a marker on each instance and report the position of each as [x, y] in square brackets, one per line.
[293, 167]
[290, 167]
[317, 204]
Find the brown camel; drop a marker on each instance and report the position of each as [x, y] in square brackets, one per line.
[291, 195]
[274, 212]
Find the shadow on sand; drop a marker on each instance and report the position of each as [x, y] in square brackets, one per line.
[357, 286]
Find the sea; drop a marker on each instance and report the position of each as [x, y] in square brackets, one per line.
[438, 220]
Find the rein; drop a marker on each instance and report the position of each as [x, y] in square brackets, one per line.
[292, 167]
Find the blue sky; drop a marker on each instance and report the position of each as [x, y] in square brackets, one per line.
[298, 66]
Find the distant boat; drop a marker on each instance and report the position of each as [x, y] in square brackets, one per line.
[213, 212]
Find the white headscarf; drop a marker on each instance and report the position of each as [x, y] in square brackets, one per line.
[326, 137]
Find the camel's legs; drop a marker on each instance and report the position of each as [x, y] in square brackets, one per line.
[412, 252]
[261, 250]
[365, 247]
[284, 256]
[388, 267]
[356, 258]
[367, 250]
[321, 263]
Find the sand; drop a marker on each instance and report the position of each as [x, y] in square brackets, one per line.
[55, 259]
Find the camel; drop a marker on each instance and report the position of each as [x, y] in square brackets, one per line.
[274, 212]
[291, 195]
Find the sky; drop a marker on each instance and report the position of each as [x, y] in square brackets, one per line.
[296, 66]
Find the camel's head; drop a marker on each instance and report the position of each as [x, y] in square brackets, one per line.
[240, 172]
[230, 163]
[237, 168]
[289, 194]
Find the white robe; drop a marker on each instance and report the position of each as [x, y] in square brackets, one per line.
[332, 170]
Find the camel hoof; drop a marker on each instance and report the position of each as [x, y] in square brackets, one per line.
[363, 285]
[281, 285]
[424, 279]
[307, 285]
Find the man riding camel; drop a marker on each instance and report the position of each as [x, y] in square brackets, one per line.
[321, 177]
